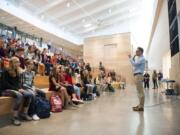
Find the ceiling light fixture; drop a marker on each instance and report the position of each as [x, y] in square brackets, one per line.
[83, 20]
[68, 4]
[87, 25]
[42, 16]
[63, 29]
[110, 11]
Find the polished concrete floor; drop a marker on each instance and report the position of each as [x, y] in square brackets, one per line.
[111, 114]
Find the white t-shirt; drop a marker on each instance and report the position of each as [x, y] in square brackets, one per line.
[77, 78]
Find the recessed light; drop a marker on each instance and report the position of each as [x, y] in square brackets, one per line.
[83, 20]
[42, 16]
[110, 11]
[87, 25]
[63, 29]
[68, 4]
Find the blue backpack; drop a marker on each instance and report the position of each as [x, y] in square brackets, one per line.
[1, 81]
[43, 107]
[40, 106]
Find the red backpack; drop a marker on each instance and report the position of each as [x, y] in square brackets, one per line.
[56, 103]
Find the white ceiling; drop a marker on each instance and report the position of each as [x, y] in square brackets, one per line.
[78, 19]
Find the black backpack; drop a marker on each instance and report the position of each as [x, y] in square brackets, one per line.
[42, 107]
[1, 81]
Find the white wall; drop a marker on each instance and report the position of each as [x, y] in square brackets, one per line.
[160, 45]
[166, 65]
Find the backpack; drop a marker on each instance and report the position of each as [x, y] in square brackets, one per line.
[56, 103]
[98, 94]
[1, 81]
[87, 97]
[43, 107]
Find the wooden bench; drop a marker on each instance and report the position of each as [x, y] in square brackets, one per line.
[6, 103]
[41, 81]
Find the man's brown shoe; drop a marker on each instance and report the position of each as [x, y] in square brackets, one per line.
[135, 107]
[138, 109]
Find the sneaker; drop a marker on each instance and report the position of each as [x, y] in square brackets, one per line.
[81, 101]
[70, 107]
[16, 121]
[26, 117]
[74, 105]
[75, 100]
[35, 117]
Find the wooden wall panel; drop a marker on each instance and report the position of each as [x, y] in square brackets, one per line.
[96, 50]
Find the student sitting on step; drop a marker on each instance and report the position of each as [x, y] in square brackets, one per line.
[89, 88]
[108, 80]
[1, 73]
[65, 80]
[56, 87]
[68, 79]
[12, 88]
[27, 83]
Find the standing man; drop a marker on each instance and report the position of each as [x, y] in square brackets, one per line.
[160, 77]
[146, 80]
[138, 63]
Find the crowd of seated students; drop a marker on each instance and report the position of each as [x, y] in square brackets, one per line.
[107, 79]
[69, 78]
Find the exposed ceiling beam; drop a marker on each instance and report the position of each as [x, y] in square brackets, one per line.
[109, 24]
[72, 9]
[49, 6]
[97, 9]
[118, 12]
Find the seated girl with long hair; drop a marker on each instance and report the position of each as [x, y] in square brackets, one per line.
[56, 87]
[65, 79]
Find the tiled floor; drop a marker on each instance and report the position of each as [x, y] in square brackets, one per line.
[111, 114]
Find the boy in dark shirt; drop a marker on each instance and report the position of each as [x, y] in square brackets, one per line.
[146, 80]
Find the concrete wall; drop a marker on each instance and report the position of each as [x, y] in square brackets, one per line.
[112, 51]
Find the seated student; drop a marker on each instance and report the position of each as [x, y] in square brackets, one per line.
[11, 87]
[56, 87]
[2, 51]
[46, 60]
[27, 79]
[37, 62]
[108, 82]
[10, 50]
[77, 76]
[89, 88]
[30, 53]
[1, 72]
[68, 79]
[65, 80]
[101, 82]
[54, 59]
[20, 55]
[113, 75]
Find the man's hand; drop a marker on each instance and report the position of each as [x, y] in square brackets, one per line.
[21, 90]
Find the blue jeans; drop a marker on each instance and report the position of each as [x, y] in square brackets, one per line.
[19, 96]
[77, 90]
[47, 68]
